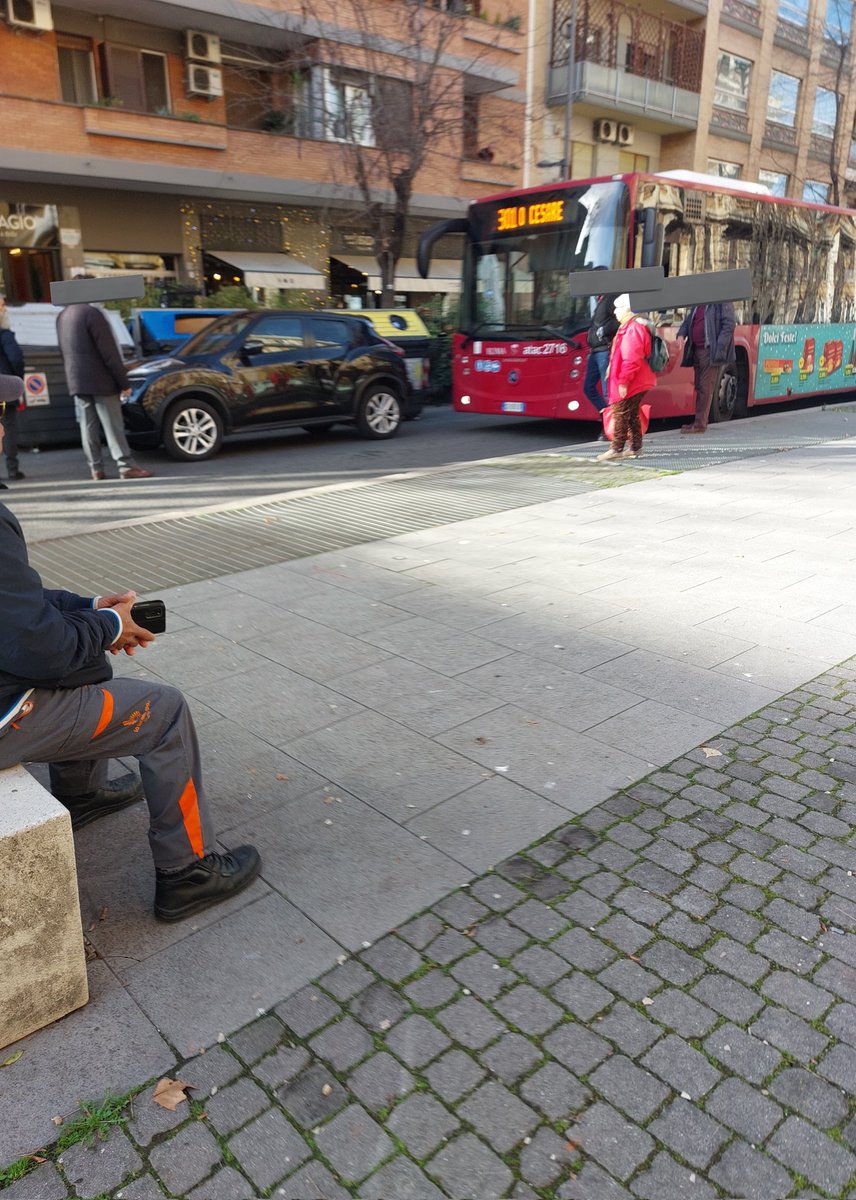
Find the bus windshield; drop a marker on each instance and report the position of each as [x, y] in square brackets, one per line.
[522, 254]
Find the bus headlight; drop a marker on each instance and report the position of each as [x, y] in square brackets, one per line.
[575, 374]
[464, 400]
[573, 405]
[578, 359]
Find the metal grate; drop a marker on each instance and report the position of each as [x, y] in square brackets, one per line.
[182, 550]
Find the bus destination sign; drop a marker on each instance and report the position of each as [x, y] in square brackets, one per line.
[528, 216]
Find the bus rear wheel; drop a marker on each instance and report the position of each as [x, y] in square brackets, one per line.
[724, 402]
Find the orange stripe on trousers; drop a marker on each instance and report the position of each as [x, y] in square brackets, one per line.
[106, 713]
[189, 805]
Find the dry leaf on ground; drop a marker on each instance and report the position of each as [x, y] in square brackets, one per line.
[13, 1058]
[710, 752]
[169, 1093]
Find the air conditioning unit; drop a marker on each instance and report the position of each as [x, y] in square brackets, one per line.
[626, 134]
[605, 130]
[29, 14]
[204, 81]
[203, 47]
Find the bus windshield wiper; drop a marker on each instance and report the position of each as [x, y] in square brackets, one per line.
[471, 334]
[560, 333]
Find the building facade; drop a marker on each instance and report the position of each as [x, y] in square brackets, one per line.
[215, 143]
[758, 91]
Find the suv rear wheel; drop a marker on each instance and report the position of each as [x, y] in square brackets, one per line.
[193, 430]
[379, 412]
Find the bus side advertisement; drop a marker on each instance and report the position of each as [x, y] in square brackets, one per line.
[802, 359]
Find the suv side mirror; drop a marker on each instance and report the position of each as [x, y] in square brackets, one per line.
[251, 347]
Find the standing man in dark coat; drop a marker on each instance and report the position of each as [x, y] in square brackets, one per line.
[709, 346]
[97, 379]
[11, 363]
[603, 328]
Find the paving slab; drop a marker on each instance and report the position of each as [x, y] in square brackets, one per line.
[356, 870]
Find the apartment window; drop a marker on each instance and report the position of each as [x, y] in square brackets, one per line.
[725, 170]
[76, 70]
[732, 82]
[629, 162]
[136, 78]
[348, 108]
[776, 181]
[794, 11]
[839, 20]
[816, 191]
[783, 98]
[825, 113]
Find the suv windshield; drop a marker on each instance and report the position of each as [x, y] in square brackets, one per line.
[523, 253]
[217, 337]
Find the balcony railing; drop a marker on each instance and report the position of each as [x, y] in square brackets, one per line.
[626, 39]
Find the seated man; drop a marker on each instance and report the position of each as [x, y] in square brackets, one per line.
[57, 706]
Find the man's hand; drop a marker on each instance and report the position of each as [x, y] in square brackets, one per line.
[132, 635]
[120, 598]
[125, 393]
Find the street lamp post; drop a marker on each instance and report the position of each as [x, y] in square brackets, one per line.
[571, 34]
[566, 162]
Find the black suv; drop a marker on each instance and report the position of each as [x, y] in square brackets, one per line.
[268, 370]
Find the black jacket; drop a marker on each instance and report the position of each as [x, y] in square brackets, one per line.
[11, 358]
[604, 324]
[48, 639]
[90, 353]
[718, 334]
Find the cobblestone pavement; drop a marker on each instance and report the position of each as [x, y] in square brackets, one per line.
[656, 1001]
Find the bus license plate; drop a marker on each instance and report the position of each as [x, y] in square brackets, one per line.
[513, 406]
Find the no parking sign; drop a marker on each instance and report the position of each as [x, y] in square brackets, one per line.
[36, 389]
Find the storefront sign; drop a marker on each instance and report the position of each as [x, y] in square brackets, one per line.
[36, 389]
[29, 225]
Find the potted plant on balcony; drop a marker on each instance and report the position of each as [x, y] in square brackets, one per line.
[275, 120]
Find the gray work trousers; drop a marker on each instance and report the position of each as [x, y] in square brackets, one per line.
[103, 412]
[79, 730]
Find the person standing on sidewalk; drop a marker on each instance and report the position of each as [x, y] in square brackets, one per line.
[603, 328]
[709, 346]
[11, 363]
[60, 704]
[97, 379]
[629, 378]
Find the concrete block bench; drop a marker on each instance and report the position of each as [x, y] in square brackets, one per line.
[43, 973]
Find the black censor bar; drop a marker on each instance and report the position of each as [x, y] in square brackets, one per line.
[607, 283]
[715, 287]
[87, 291]
[649, 289]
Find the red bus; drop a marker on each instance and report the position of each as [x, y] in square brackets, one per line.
[522, 346]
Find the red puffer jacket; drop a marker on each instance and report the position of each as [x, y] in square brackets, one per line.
[628, 361]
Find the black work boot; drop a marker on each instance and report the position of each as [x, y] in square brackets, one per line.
[113, 797]
[215, 877]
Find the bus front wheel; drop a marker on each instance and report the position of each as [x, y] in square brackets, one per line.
[724, 396]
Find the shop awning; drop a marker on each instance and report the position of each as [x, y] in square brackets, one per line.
[445, 274]
[272, 270]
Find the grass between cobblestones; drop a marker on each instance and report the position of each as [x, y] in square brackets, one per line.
[654, 1001]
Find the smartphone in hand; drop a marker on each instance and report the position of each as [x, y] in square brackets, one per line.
[151, 614]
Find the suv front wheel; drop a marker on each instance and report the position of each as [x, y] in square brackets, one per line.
[379, 412]
[193, 430]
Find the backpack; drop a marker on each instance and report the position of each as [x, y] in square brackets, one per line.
[658, 358]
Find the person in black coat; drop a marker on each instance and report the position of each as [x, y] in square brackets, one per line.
[603, 328]
[96, 377]
[11, 363]
[709, 346]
